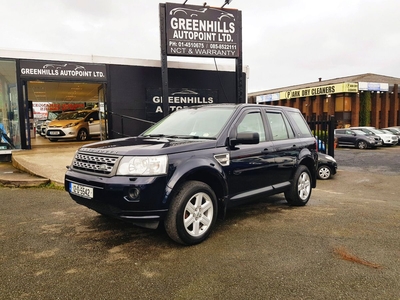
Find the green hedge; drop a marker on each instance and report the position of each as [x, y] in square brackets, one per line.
[365, 109]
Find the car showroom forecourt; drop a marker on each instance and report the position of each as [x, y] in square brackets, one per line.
[190, 167]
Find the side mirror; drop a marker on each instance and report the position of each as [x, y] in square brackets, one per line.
[91, 120]
[246, 137]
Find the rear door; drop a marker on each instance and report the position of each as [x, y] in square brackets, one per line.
[342, 137]
[348, 138]
[287, 147]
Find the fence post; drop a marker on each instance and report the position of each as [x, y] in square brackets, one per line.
[331, 135]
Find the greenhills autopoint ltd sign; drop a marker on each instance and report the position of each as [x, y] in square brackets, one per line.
[202, 31]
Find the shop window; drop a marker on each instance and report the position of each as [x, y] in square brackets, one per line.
[342, 103]
[9, 112]
[347, 104]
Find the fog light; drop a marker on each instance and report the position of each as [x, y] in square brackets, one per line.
[133, 193]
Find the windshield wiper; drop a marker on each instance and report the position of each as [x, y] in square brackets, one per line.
[179, 136]
[182, 136]
[154, 135]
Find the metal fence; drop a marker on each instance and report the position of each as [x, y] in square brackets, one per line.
[323, 130]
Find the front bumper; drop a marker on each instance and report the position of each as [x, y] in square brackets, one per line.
[390, 142]
[112, 196]
[61, 133]
[374, 143]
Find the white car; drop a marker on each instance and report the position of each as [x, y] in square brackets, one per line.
[388, 139]
[80, 125]
[50, 117]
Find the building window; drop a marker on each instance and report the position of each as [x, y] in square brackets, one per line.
[9, 112]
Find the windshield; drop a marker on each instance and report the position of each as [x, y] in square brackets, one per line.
[377, 131]
[52, 115]
[73, 115]
[192, 123]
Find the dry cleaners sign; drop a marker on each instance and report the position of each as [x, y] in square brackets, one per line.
[62, 70]
[202, 31]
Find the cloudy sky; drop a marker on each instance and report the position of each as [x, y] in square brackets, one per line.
[285, 42]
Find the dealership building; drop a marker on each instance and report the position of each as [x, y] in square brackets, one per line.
[128, 92]
[345, 98]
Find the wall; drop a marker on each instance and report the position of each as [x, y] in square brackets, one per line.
[128, 85]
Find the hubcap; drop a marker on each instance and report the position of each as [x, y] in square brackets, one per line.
[198, 214]
[324, 173]
[304, 186]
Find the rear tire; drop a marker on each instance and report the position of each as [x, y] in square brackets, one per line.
[300, 191]
[362, 145]
[192, 213]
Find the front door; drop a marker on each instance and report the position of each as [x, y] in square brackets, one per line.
[251, 166]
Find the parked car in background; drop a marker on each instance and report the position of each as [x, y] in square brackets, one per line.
[387, 138]
[357, 138]
[51, 115]
[80, 125]
[393, 130]
[327, 166]
[39, 124]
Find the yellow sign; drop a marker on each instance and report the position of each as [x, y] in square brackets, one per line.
[347, 87]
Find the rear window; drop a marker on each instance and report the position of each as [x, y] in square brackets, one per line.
[301, 123]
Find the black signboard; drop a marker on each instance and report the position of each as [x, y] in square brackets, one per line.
[62, 70]
[202, 31]
[177, 99]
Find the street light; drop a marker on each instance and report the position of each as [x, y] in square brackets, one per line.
[226, 2]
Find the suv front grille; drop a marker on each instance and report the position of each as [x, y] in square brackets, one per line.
[94, 163]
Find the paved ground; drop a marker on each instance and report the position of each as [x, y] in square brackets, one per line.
[47, 161]
[343, 245]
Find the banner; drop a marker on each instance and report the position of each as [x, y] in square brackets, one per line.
[202, 31]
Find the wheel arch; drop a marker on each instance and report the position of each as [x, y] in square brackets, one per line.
[211, 173]
[312, 167]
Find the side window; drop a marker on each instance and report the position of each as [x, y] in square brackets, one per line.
[301, 123]
[94, 115]
[252, 122]
[280, 127]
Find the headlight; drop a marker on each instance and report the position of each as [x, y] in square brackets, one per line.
[70, 125]
[143, 165]
[330, 158]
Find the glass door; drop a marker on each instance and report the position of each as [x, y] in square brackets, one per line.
[103, 112]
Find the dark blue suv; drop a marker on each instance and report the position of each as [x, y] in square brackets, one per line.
[194, 164]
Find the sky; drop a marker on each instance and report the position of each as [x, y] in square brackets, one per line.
[284, 43]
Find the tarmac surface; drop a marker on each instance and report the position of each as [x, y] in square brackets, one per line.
[343, 245]
[45, 163]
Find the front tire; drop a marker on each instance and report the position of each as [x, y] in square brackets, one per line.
[192, 213]
[300, 191]
[324, 172]
[82, 135]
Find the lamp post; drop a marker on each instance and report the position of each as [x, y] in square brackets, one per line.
[226, 2]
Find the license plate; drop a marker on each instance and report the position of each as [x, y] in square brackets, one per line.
[81, 190]
[54, 132]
